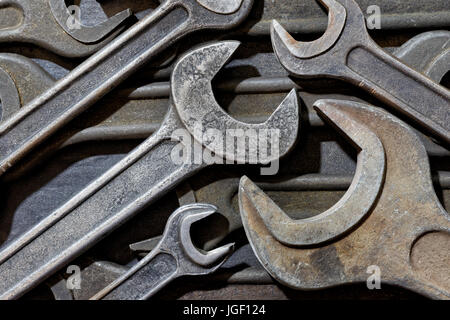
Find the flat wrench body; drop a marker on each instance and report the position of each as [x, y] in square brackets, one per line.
[173, 257]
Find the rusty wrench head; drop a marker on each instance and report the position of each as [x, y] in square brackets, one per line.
[201, 114]
[177, 241]
[405, 233]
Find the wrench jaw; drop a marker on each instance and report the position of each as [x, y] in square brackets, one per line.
[326, 56]
[200, 113]
[86, 34]
[390, 237]
[177, 241]
[218, 14]
[353, 206]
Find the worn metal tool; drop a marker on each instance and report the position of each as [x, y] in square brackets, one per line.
[404, 231]
[347, 52]
[173, 257]
[103, 71]
[145, 174]
[46, 23]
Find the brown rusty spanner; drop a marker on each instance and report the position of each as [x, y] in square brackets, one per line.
[347, 52]
[404, 230]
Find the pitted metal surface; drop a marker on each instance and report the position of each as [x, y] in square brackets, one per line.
[66, 181]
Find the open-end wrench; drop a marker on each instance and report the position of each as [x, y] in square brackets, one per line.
[144, 175]
[347, 52]
[173, 257]
[81, 32]
[405, 231]
[103, 71]
[46, 23]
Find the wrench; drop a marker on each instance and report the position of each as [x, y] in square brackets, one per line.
[45, 23]
[103, 71]
[347, 52]
[405, 231]
[141, 177]
[173, 257]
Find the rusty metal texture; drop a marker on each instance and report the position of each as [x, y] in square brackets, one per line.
[406, 233]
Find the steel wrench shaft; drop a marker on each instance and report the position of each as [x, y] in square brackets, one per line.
[347, 52]
[103, 71]
[145, 174]
[405, 89]
[152, 273]
[108, 202]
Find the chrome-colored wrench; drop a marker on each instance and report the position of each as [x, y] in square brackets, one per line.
[144, 175]
[103, 71]
[173, 257]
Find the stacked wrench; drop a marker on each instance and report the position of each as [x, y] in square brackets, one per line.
[45, 23]
[144, 175]
[398, 226]
[174, 256]
[347, 52]
[103, 71]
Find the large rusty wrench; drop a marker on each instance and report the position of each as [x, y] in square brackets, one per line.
[145, 174]
[347, 52]
[103, 71]
[405, 232]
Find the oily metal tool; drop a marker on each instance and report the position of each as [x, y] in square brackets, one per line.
[103, 71]
[143, 175]
[173, 257]
[405, 232]
[347, 52]
[46, 23]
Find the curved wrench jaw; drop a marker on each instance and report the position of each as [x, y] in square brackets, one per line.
[83, 33]
[392, 235]
[201, 114]
[337, 18]
[326, 56]
[177, 241]
[347, 212]
[222, 7]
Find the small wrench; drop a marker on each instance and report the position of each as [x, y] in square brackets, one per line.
[173, 257]
[347, 52]
[404, 232]
[45, 23]
[103, 71]
[144, 175]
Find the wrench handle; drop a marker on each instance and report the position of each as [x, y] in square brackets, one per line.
[408, 91]
[144, 280]
[90, 81]
[131, 185]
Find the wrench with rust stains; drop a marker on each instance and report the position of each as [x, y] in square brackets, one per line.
[390, 217]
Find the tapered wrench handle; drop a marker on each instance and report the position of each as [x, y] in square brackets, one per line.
[106, 69]
[405, 89]
[149, 276]
[131, 185]
[89, 82]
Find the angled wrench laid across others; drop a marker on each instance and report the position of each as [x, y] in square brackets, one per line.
[399, 226]
[347, 52]
[173, 257]
[103, 71]
[149, 171]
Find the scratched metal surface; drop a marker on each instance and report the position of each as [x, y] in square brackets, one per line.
[83, 155]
